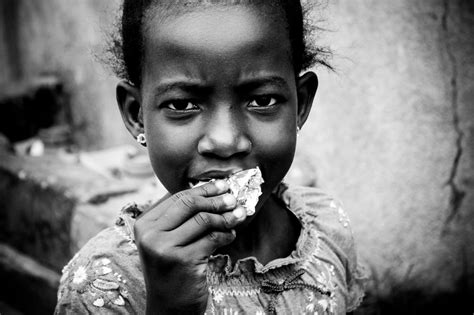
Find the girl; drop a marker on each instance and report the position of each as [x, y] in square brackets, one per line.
[214, 88]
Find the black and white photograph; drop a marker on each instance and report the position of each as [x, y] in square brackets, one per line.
[237, 157]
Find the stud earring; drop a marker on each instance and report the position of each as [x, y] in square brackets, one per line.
[298, 130]
[141, 139]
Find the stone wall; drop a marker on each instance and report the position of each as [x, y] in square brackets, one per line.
[392, 135]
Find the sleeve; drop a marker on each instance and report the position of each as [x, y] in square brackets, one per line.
[356, 274]
[104, 277]
[336, 227]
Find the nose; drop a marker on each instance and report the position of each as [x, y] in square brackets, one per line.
[225, 135]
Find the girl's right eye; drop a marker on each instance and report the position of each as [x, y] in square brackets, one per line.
[180, 105]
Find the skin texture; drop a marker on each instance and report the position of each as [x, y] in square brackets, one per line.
[218, 95]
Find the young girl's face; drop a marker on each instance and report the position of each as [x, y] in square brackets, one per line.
[219, 95]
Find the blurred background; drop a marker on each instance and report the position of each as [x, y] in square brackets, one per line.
[391, 135]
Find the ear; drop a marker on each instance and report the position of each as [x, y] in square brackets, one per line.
[307, 84]
[129, 102]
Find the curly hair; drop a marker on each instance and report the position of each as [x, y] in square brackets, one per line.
[125, 45]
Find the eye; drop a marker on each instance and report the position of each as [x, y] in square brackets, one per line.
[181, 105]
[263, 101]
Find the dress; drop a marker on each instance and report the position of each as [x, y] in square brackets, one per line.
[321, 276]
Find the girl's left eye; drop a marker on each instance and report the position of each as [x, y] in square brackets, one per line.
[183, 105]
[263, 101]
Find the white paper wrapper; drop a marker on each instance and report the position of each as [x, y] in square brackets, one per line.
[246, 188]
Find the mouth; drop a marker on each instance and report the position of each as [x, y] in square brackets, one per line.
[196, 183]
[210, 176]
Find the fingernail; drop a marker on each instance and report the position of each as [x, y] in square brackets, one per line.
[221, 184]
[239, 212]
[229, 200]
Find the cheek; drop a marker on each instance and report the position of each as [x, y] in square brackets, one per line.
[276, 150]
[171, 150]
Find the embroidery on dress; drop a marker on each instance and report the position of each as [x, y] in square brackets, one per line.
[79, 275]
[318, 305]
[235, 291]
[218, 297]
[100, 285]
[343, 218]
[325, 272]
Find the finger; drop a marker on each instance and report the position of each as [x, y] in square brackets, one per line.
[210, 189]
[213, 188]
[189, 206]
[202, 223]
[208, 244]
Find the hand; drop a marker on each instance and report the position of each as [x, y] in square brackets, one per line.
[175, 240]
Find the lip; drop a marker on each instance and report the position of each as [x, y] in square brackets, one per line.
[214, 174]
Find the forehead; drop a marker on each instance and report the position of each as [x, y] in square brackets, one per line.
[160, 12]
[217, 32]
[176, 7]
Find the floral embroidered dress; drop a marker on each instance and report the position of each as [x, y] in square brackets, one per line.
[321, 276]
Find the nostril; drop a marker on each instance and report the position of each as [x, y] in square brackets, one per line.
[245, 145]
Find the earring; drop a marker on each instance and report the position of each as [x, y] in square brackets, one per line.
[141, 139]
[297, 130]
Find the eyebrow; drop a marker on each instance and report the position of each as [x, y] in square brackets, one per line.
[245, 85]
[179, 85]
[254, 83]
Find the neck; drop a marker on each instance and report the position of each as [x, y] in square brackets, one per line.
[271, 234]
